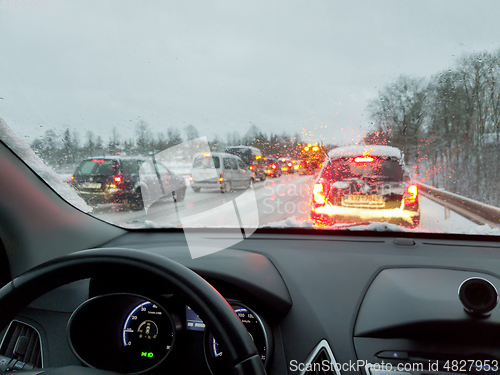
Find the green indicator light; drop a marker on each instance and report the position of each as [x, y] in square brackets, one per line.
[147, 354]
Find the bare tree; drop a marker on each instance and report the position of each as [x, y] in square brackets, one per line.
[144, 136]
[400, 110]
[191, 132]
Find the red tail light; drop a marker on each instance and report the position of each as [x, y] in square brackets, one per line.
[117, 179]
[273, 166]
[411, 195]
[318, 193]
[364, 159]
[72, 178]
[97, 160]
[251, 167]
[221, 178]
[289, 164]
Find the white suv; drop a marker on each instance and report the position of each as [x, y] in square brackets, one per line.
[219, 170]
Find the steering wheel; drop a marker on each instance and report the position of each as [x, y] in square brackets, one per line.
[216, 313]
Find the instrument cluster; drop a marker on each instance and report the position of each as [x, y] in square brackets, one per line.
[132, 334]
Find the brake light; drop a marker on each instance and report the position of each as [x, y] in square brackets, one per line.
[273, 166]
[306, 148]
[97, 160]
[318, 193]
[72, 178]
[411, 195]
[289, 164]
[117, 179]
[364, 159]
[221, 178]
[251, 167]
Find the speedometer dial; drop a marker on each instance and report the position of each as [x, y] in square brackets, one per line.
[142, 333]
[256, 329]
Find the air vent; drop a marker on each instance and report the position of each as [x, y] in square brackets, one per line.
[321, 361]
[33, 352]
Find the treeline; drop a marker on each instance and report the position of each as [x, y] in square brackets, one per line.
[448, 125]
[70, 148]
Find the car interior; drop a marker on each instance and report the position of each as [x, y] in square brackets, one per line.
[320, 295]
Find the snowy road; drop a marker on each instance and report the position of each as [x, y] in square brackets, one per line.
[277, 199]
[282, 200]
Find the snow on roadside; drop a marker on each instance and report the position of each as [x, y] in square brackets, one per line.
[24, 151]
[434, 221]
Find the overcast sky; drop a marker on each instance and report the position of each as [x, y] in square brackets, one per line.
[296, 66]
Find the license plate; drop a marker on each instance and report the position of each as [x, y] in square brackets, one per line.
[90, 185]
[357, 198]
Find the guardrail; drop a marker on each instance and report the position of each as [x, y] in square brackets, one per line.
[477, 212]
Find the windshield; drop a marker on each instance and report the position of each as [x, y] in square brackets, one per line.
[370, 115]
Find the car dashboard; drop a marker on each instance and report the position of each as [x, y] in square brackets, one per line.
[337, 303]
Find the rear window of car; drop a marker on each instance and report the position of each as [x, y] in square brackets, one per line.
[203, 162]
[97, 167]
[346, 168]
[131, 166]
[245, 154]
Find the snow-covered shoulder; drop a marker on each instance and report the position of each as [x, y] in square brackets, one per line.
[24, 151]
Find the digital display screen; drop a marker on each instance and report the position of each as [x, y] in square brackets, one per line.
[193, 321]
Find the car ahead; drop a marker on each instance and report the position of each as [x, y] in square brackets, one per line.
[365, 183]
[125, 180]
[272, 167]
[252, 157]
[288, 165]
[221, 171]
[311, 158]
